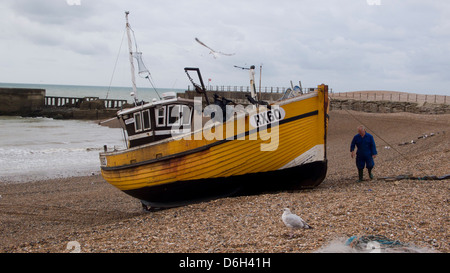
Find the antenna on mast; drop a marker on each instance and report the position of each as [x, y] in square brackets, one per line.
[260, 76]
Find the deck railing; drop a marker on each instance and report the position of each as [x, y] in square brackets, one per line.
[265, 89]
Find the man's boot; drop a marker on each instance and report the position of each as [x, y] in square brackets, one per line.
[370, 173]
[360, 175]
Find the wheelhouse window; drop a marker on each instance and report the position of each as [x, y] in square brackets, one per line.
[186, 115]
[173, 114]
[146, 119]
[160, 114]
[137, 122]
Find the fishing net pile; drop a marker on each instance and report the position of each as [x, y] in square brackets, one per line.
[370, 244]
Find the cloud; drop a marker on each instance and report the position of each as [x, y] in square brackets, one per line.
[397, 45]
[56, 24]
[51, 12]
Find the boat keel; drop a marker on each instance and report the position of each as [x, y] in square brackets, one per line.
[182, 193]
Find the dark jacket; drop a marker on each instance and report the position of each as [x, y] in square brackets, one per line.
[366, 145]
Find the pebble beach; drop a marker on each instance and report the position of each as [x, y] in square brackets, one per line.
[44, 216]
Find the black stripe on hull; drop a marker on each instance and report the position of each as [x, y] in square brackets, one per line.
[192, 191]
[206, 147]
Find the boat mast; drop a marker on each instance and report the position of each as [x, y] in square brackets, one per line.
[130, 48]
[252, 82]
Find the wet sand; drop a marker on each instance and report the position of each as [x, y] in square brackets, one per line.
[45, 216]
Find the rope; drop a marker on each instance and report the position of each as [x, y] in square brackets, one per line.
[356, 241]
[392, 146]
[115, 65]
[148, 77]
[427, 177]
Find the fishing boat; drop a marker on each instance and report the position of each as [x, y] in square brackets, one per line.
[180, 151]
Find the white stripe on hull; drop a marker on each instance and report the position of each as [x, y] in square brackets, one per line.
[316, 153]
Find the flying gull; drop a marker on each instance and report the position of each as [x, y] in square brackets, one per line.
[212, 51]
[293, 221]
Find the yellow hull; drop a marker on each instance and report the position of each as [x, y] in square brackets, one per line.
[195, 162]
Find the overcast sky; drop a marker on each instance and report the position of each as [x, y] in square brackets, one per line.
[401, 45]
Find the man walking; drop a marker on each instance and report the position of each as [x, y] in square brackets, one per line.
[365, 153]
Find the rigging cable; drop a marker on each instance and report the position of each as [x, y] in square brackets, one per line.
[115, 65]
[419, 167]
[149, 76]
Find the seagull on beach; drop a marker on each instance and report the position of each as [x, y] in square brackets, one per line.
[212, 51]
[293, 221]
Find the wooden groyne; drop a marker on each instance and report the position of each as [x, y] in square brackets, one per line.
[92, 108]
[53, 101]
[34, 102]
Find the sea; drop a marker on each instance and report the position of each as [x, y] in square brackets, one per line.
[39, 148]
